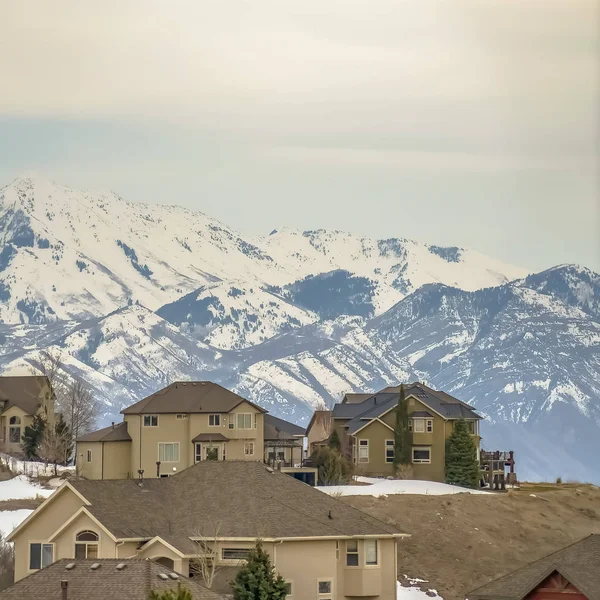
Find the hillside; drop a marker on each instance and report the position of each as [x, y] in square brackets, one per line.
[478, 538]
[136, 296]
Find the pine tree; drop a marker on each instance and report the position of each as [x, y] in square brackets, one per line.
[257, 579]
[64, 433]
[32, 435]
[402, 434]
[334, 441]
[462, 467]
[180, 594]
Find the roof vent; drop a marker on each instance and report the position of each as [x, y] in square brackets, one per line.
[70, 566]
[330, 515]
[173, 576]
[163, 576]
[194, 383]
[121, 566]
[95, 566]
[183, 384]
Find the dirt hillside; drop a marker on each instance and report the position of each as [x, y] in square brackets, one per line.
[460, 542]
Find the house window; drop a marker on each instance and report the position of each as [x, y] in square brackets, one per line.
[244, 420]
[337, 550]
[181, 416]
[86, 545]
[371, 555]
[214, 420]
[471, 426]
[389, 451]
[419, 425]
[255, 420]
[352, 553]
[14, 431]
[40, 556]
[89, 456]
[288, 588]
[421, 455]
[150, 420]
[198, 452]
[234, 553]
[168, 452]
[429, 425]
[249, 448]
[324, 589]
[363, 451]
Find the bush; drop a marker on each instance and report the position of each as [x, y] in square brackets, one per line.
[559, 481]
[7, 563]
[334, 468]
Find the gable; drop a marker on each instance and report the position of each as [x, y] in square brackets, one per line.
[555, 587]
[375, 428]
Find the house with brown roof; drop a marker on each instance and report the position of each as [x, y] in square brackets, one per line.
[324, 548]
[365, 425]
[572, 573]
[184, 423]
[102, 578]
[21, 398]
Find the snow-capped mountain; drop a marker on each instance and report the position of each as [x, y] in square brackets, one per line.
[136, 296]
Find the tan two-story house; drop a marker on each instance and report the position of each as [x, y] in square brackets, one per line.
[365, 425]
[323, 548]
[21, 398]
[174, 428]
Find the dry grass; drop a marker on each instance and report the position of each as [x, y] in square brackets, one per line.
[460, 542]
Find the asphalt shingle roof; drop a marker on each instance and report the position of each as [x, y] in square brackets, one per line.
[278, 429]
[23, 392]
[134, 582]
[273, 505]
[189, 397]
[579, 563]
[112, 433]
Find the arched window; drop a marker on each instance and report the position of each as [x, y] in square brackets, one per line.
[14, 431]
[86, 544]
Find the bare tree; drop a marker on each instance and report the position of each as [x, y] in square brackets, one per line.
[55, 445]
[205, 563]
[72, 396]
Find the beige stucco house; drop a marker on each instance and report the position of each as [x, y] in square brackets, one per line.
[183, 424]
[365, 425]
[324, 548]
[21, 398]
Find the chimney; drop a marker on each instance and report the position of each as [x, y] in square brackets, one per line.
[64, 586]
[113, 424]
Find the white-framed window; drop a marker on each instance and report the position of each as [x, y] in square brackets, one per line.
[168, 452]
[363, 451]
[325, 589]
[371, 553]
[337, 550]
[14, 431]
[255, 420]
[289, 589]
[244, 420]
[352, 553]
[471, 427]
[421, 454]
[389, 451]
[214, 420]
[249, 448]
[89, 456]
[86, 544]
[429, 425]
[234, 553]
[40, 556]
[419, 425]
[150, 420]
[181, 416]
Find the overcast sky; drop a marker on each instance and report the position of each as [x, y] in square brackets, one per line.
[458, 123]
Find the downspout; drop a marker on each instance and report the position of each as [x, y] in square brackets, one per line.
[117, 545]
[140, 465]
[102, 463]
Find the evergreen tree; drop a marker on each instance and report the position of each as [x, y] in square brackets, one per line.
[402, 434]
[32, 435]
[333, 467]
[334, 441]
[257, 579]
[462, 467]
[180, 594]
[64, 433]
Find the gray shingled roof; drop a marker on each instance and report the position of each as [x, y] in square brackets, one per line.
[274, 505]
[278, 429]
[112, 433]
[210, 437]
[189, 397]
[134, 582]
[23, 392]
[579, 563]
[355, 398]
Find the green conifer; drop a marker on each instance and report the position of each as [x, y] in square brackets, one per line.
[334, 441]
[462, 467]
[32, 436]
[402, 434]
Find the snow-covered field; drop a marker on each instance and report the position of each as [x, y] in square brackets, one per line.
[10, 519]
[414, 592]
[21, 487]
[31, 468]
[384, 487]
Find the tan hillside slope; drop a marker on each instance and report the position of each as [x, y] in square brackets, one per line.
[462, 541]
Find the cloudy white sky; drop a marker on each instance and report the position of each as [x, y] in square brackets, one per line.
[459, 123]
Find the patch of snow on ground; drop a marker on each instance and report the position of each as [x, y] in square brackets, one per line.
[414, 592]
[31, 467]
[383, 487]
[11, 519]
[20, 487]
